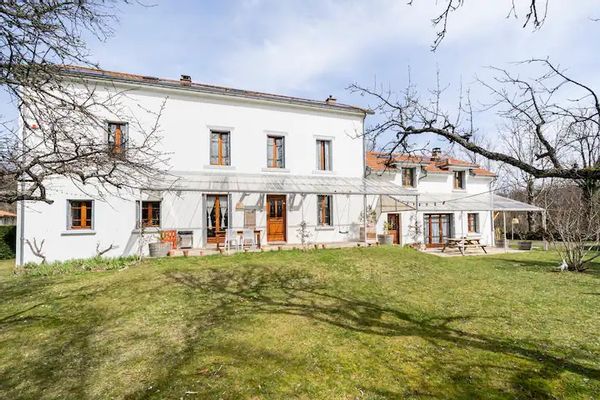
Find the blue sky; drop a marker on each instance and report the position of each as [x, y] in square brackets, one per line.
[315, 48]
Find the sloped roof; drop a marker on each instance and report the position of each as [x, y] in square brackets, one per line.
[381, 161]
[100, 74]
[7, 214]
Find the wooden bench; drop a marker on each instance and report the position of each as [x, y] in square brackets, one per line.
[464, 243]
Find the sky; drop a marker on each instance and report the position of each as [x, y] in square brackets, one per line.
[316, 48]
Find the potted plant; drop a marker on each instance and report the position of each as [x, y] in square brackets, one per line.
[386, 238]
[161, 247]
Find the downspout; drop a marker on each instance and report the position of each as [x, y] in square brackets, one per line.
[21, 205]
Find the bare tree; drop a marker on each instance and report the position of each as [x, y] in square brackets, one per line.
[62, 127]
[535, 15]
[574, 227]
[560, 114]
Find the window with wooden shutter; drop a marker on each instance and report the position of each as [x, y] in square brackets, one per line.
[324, 210]
[80, 214]
[220, 152]
[150, 214]
[275, 152]
[117, 138]
[473, 223]
[459, 179]
[408, 177]
[324, 155]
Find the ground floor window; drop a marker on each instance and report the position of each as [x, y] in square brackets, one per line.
[473, 223]
[80, 214]
[150, 214]
[437, 229]
[217, 218]
[324, 210]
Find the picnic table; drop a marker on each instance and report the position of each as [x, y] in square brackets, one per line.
[463, 243]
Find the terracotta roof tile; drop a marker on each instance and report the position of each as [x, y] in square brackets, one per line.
[381, 161]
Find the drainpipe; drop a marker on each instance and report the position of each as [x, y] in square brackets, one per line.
[21, 205]
[364, 160]
[504, 230]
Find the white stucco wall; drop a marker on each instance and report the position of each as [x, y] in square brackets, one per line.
[185, 127]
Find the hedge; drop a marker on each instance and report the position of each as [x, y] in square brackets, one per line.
[8, 241]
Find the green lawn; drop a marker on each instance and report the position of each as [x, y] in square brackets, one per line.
[376, 323]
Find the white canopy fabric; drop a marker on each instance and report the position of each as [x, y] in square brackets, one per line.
[277, 183]
[458, 202]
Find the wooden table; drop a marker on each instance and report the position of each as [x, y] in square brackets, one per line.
[463, 243]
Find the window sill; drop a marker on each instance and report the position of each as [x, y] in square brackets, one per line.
[323, 172]
[459, 190]
[226, 167]
[78, 232]
[280, 170]
[324, 228]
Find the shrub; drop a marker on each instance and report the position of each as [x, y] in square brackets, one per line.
[77, 266]
[8, 241]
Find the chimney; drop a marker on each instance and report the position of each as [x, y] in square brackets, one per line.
[436, 152]
[330, 100]
[185, 80]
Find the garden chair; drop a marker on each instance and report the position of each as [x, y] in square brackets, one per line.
[232, 239]
[248, 238]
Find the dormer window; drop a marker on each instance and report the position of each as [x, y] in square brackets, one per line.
[408, 177]
[459, 180]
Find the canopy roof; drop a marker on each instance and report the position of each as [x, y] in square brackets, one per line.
[458, 202]
[277, 183]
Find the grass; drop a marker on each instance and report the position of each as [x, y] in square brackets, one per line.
[376, 323]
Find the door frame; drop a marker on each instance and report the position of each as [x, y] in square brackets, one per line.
[426, 239]
[284, 216]
[217, 239]
[398, 217]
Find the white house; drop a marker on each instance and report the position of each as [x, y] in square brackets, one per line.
[449, 198]
[287, 168]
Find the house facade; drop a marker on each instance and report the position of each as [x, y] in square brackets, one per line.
[291, 170]
[452, 198]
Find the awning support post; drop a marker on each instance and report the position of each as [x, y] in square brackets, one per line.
[365, 216]
[504, 231]
[544, 230]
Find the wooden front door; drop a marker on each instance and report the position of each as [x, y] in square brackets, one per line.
[437, 228]
[394, 227]
[276, 218]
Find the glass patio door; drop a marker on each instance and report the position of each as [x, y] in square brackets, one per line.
[437, 228]
[217, 218]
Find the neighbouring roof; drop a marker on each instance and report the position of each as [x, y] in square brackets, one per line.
[99, 74]
[381, 161]
[275, 183]
[7, 214]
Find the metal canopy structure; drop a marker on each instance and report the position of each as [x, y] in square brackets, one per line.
[447, 202]
[277, 184]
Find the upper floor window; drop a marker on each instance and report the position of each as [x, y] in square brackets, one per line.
[117, 137]
[80, 214]
[324, 210]
[324, 155]
[220, 149]
[473, 223]
[275, 152]
[150, 214]
[459, 179]
[408, 177]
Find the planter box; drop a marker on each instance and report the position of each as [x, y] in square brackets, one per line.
[525, 245]
[385, 239]
[159, 249]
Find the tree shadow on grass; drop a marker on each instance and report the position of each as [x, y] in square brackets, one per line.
[261, 290]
